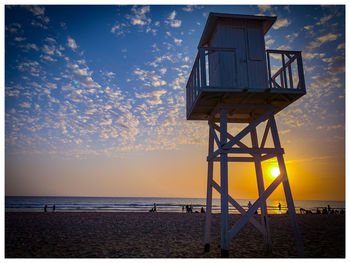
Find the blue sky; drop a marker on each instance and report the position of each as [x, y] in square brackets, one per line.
[90, 82]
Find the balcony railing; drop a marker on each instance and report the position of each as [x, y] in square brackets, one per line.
[200, 76]
[285, 72]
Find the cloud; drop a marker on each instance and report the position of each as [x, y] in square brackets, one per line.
[172, 21]
[32, 67]
[323, 20]
[264, 8]
[177, 41]
[138, 16]
[39, 13]
[308, 55]
[150, 78]
[20, 39]
[31, 46]
[321, 40]
[81, 75]
[281, 23]
[71, 43]
[188, 8]
[25, 105]
[152, 97]
[341, 46]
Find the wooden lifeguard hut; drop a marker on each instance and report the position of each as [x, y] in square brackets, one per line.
[234, 79]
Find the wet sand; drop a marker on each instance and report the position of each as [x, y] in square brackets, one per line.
[171, 235]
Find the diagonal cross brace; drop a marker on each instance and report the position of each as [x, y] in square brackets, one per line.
[244, 219]
[229, 136]
[214, 134]
[247, 129]
[240, 208]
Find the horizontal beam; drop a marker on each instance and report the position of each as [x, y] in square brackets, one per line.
[254, 150]
[282, 51]
[270, 153]
[239, 208]
[235, 159]
[267, 156]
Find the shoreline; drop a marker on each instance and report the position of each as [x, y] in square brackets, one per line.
[161, 235]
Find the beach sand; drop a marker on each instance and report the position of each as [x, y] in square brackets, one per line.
[174, 235]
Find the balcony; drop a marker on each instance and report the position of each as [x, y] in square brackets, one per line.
[206, 87]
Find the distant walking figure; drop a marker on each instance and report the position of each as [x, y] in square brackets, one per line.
[154, 208]
[279, 206]
[45, 208]
[249, 205]
[183, 208]
[202, 210]
[54, 208]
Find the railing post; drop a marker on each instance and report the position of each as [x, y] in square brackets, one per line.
[285, 84]
[300, 70]
[202, 69]
[269, 68]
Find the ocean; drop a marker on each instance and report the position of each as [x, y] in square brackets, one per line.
[144, 204]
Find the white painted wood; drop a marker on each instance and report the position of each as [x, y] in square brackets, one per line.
[209, 192]
[202, 67]
[224, 183]
[234, 203]
[235, 159]
[286, 187]
[229, 136]
[254, 150]
[211, 129]
[233, 69]
[261, 189]
[266, 132]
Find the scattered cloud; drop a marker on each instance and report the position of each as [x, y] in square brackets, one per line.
[321, 40]
[284, 22]
[172, 21]
[152, 97]
[138, 16]
[264, 8]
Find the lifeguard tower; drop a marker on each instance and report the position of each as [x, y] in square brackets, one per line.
[235, 80]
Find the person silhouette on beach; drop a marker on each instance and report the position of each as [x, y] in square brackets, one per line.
[279, 206]
[45, 208]
[54, 208]
[154, 207]
[202, 210]
[249, 205]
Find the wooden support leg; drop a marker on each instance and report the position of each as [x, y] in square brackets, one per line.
[224, 186]
[286, 187]
[209, 195]
[261, 189]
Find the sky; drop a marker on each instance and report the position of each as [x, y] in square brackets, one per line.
[95, 102]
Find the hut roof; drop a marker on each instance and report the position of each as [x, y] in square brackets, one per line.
[267, 22]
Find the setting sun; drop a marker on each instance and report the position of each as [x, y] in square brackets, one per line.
[275, 171]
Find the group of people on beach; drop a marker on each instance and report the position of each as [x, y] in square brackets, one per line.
[53, 208]
[189, 209]
[329, 210]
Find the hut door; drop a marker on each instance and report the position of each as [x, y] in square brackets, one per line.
[227, 69]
